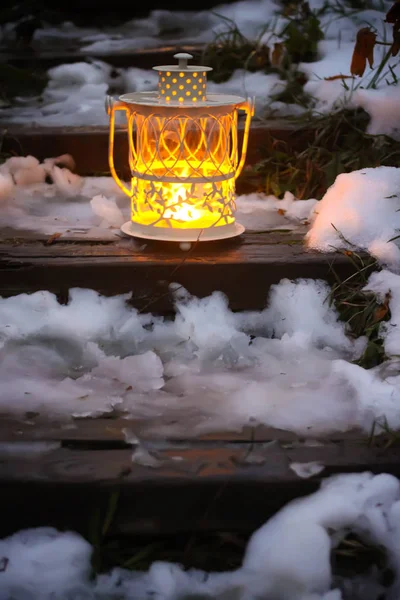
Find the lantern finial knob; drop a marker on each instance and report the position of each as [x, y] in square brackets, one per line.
[183, 58]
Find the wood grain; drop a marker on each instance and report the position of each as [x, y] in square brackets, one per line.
[112, 430]
[267, 463]
[217, 482]
[242, 269]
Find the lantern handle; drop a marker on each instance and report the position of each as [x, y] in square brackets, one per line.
[248, 107]
[111, 106]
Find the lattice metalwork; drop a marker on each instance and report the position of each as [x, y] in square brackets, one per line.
[183, 205]
[183, 146]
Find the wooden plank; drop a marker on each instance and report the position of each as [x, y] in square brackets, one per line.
[145, 58]
[20, 243]
[109, 430]
[233, 487]
[243, 269]
[267, 463]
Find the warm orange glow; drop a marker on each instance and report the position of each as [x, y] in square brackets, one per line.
[179, 213]
[199, 151]
[183, 212]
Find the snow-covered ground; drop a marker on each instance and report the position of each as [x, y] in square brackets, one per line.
[97, 354]
[96, 206]
[290, 366]
[286, 559]
[75, 93]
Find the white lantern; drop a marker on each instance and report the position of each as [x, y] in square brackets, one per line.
[183, 156]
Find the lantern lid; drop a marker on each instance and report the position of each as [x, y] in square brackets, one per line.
[182, 83]
[182, 65]
[152, 100]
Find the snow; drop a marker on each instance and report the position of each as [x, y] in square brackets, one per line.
[383, 106]
[306, 470]
[385, 283]
[96, 355]
[362, 207]
[74, 96]
[288, 558]
[97, 206]
[107, 210]
[75, 93]
[259, 85]
[290, 366]
[41, 562]
[86, 358]
[69, 203]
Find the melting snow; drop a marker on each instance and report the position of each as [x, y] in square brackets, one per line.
[75, 93]
[362, 207]
[306, 470]
[97, 206]
[96, 355]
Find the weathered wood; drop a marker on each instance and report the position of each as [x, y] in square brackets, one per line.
[243, 269]
[193, 488]
[113, 430]
[229, 481]
[267, 463]
[145, 58]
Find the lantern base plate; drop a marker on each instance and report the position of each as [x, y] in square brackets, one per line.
[182, 235]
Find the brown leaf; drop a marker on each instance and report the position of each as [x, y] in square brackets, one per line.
[393, 14]
[262, 57]
[53, 238]
[382, 310]
[396, 39]
[363, 51]
[281, 211]
[277, 54]
[334, 77]
[289, 9]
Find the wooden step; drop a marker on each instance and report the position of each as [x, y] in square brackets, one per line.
[231, 481]
[145, 58]
[243, 269]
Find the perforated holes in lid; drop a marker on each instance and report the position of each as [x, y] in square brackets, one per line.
[182, 83]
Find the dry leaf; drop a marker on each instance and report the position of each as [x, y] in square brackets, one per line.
[383, 309]
[396, 39]
[363, 51]
[334, 77]
[277, 54]
[262, 56]
[393, 14]
[289, 9]
[53, 238]
[281, 211]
